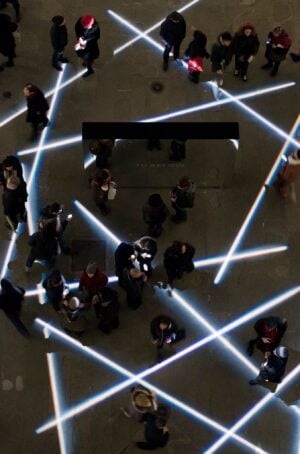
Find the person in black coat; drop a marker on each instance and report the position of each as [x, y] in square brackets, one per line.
[107, 308]
[54, 285]
[87, 32]
[10, 167]
[11, 299]
[44, 246]
[195, 53]
[221, 55]
[156, 430]
[102, 149]
[13, 198]
[273, 369]
[270, 331]
[7, 40]
[178, 258]
[59, 40]
[164, 330]
[16, 6]
[124, 258]
[37, 106]
[155, 212]
[245, 46]
[172, 31]
[182, 197]
[133, 282]
[51, 214]
[146, 249]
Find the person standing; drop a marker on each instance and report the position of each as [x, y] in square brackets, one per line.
[278, 45]
[133, 282]
[145, 249]
[16, 7]
[74, 321]
[270, 331]
[51, 214]
[7, 40]
[102, 149]
[37, 106]
[274, 367]
[55, 285]
[107, 308]
[164, 331]
[155, 212]
[124, 258]
[91, 281]
[182, 197]
[11, 299]
[10, 167]
[178, 258]
[221, 55]
[289, 173]
[195, 53]
[100, 186]
[13, 198]
[156, 430]
[59, 40]
[178, 151]
[87, 32]
[44, 246]
[245, 46]
[172, 31]
[142, 401]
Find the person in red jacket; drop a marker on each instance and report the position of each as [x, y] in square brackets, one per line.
[91, 281]
[278, 44]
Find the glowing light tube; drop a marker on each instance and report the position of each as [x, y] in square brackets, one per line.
[51, 145]
[8, 254]
[250, 315]
[132, 379]
[253, 209]
[56, 403]
[150, 29]
[253, 412]
[97, 223]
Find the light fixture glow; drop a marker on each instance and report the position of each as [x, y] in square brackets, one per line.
[254, 208]
[49, 146]
[8, 254]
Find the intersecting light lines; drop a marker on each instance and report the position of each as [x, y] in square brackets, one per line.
[99, 397]
[253, 411]
[56, 401]
[142, 34]
[254, 207]
[132, 379]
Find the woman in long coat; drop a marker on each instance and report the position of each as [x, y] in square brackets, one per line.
[87, 32]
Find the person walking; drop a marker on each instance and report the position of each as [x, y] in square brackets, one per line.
[87, 32]
[15, 5]
[59, 40]
[14, 198]
[178, 258]
[107, 308]
[164, 331]
[7, 40]
[11, 299]
[245, 46]
[221, 55]
[289, 173]
[91, 281]
[277, 46]
[37, 106]
[270, 331]
[156, 430]
[55, 286]
[155, 212]
[194, 54]
[274, 368]
[172, 31]
[182, 197]
[142, 401]
[51, 214]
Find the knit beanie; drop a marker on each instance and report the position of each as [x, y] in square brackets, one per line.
[87, 21]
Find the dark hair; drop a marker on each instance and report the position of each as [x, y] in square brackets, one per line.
[184, 182]
[33, 89]
[55, 207]
[246, 26]
[226, 36]
[174, 16]
[155, 200]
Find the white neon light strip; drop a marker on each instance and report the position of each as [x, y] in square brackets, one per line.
[51, 145]
[150, 29]
[269, 304]
[132, 379]
[56, 404]
[254, 410]
[253, 209]
[8, 254]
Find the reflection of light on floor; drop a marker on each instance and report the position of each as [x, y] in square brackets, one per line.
[8, 255]
[53, 145]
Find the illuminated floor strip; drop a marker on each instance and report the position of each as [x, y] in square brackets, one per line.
[254, 207]
[49, 146]
[99, 397]
[132, 379]
[253, 412]
[8, 254]
[56, 404]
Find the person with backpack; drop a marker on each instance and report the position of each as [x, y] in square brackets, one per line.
[182, 197]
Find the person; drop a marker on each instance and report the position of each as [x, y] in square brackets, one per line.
[13, 198]
[10, 167]
[55, 286]
[164, 331]
[102, 149]
[182, 197]
[16, 6]
[155, 212]
[288, 174]
[100, 184]
[156, 430]
[37, 106]
[124, 258]
[142, 401]
[59, 40]
[44, 246]
[178, 258]
[107, 308]
[178, 149]
[277, 46]
[245, 46]
[146, 249]
[74, 321]
[133, 282]
[11, 299]
[91, 281]
[221, 55]
[172, 31]
[7, 40]
[87, 32]
[270, 331]
[274, 367]
[194, 54]
[51, 214]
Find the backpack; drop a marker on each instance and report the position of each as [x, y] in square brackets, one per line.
[188, 196]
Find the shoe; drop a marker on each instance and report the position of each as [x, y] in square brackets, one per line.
[165, 66]
[178, 62]
[236, 72]
[253, 382]
[273, 72]
[9, 64]
[245, 78]
[64, 60]
[88, 73]
[266, 66]
[58, 68]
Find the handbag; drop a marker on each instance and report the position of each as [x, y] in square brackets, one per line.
[112, 191]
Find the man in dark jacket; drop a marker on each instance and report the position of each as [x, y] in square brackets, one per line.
[245, 46]
[107, 308]
[146, 249]
[37, 106]
[156, 431]
[87, 32]
[16, 6]
[14, 197]
[10, 167]
[221, 55]
[182, 197]
[270, 331]
[124, 258]
[102, 149]
[52, 214]
[163, 331]
[155, 213]
[11, 299]
[44, 246]
[7, 40]
[172, 31]
[54, 285]
[59, 40]
[273, 369]
[178, 258]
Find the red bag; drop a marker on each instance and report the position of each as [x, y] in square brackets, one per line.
[195, 65]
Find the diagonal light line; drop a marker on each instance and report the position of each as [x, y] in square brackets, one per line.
[51, 145]
[253, 411]
[153, 27]
[254, 208]
[133, 378]
[253, 313]
[8, 255]
[47, 94]
[56, 404]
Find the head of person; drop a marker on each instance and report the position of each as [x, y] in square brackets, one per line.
[12, 183]
[174, 17]
[87, 21]
[103, 176]
[247, 30]
[178, 247]
[73, 304]
[9, 163]
[94, 145]
[277, 31]
[6, 285]
[30, 90]
[155, 200]
[164, 323]
[184, 183]
[58, 20]
[281, 352]
[226, 39]
[91, 269]
[56, 208]
[142, 401]
[56, 278]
